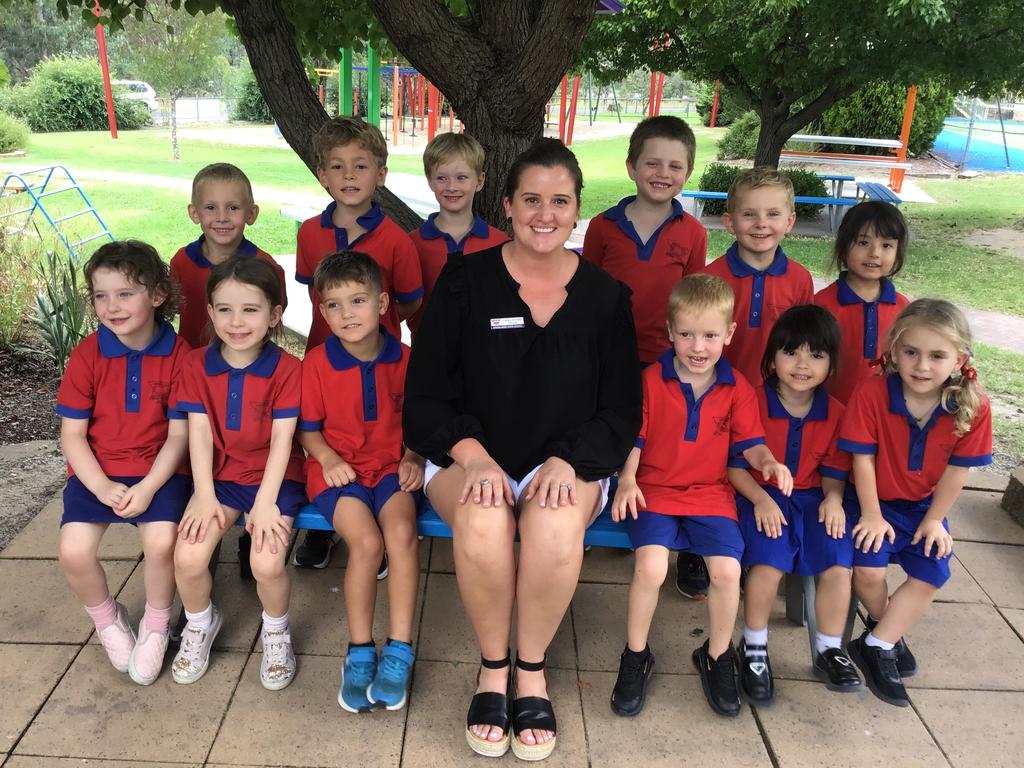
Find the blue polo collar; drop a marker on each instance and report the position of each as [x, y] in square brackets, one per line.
[195, 251]
[161, 345]
[341, 360]
[776, 410]
[368, 221]
[644, 250]
[429, 231]
[263, 366]
[898, 403]
[618, 213]
[723, 371]
[740, 268]
[846, 295]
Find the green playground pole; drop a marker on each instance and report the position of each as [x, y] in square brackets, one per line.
[345, 82]
[372, 87]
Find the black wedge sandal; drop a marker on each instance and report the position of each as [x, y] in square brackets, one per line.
[532, 713]
[490, 708]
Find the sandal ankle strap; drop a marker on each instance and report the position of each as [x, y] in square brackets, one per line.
[497, 664]
[531, 666]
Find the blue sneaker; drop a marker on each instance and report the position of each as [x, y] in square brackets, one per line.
[391, 685]
[356, 676]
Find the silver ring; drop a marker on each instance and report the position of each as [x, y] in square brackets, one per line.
[564, 485]
[485, 482]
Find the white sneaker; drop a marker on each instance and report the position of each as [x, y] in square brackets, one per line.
[193, 655]
[277, 669]
[118, 640]
[148, 657]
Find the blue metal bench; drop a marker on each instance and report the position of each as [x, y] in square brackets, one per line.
[836, 206]
[873, 190]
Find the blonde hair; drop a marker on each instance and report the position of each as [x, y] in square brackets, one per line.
[755, 178]
[699, 293]
[446, 146]
[339, 131]
[224, 172]
[961, 397]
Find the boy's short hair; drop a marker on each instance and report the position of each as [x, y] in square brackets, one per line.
[755, 178]
[225, 172]
[140, 263]
[446, 146]
[701, 292]
[662, 127]
[347, 267]
[802, 324]
[339, 131]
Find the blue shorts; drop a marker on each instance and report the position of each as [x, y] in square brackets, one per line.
[904, 516]
[374, 498]
[804, 548]
[290, 499]
[709, 536]
[168, 504]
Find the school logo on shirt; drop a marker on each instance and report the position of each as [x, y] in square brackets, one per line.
[678, 253]
[160, 391]
[262, 411]
[396, 401]
[722, 424]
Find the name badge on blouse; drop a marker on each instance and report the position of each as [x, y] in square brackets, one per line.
[507, 323]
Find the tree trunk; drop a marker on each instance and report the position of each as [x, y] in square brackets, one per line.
[777, 124]
[175, 150]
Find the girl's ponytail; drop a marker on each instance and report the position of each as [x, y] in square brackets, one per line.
[962, 399]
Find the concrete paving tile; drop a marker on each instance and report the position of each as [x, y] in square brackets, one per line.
[676, 728]
[38, 540]
[975, 727]
[988, 481]
[97, 712]
[610, 566]
[1016, 618]
[437, 717]
[32, 671]
[441, 558]
[959, 645]
[36, 604]
[979, 516]
[998, 568]
[309, 728]
[339, 556]
[29, 761]
[445, 633]
[961, 587]
[808, 726]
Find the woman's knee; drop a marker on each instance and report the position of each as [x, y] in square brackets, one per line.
[482, 530]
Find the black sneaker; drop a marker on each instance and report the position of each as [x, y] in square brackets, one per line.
[904, 658]
[315, 550]
[756, 679]
[834, 668]
[691, 576]
[718, 677]
[382, 571]
[631, 686]
[880, 671]
[244, 547]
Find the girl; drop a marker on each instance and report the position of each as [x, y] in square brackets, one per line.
[123, 447]
[913, 434]
[241, 394]
[805, 533]
[869, 251]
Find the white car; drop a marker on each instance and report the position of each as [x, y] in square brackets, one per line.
[137, 91]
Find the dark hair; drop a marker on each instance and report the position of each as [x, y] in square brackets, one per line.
[884, 219]
[803, 324]
[662, 127]
[140, 263]
[347, 267]
[248, 270]
[548, 153]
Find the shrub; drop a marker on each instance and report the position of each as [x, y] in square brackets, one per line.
[60, 311]
[250, 104]
[730, 106]
[13, 134]
[876, 111]
[17, 284]
[5, 75]
[718, 178]
[740, 141]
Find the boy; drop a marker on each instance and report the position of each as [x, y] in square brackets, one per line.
[646, 241]
[674, 490]
[356, 473]
[222, 206]
[453, 164]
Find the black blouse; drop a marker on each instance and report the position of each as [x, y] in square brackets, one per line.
[482, 368]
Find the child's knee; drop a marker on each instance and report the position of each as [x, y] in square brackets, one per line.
[837, 575]
[75, 554]
[723, 572]
[868, 577]
[267, 566]
[366, 546]
[650, 569]
[190, 559]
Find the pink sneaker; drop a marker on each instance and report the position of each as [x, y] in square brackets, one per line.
[148, 657]
[118, 640]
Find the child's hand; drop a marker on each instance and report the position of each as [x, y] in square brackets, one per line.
[112, 494]
[135, 501]
[268, 526]
[199, 513]
[933, 532]
[781, 474]
[628, 498]
[870, 532]
[338, 472]
[830, 512]
[768, 516]
[410, 472]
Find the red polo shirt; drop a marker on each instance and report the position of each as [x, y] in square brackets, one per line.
[384, 240]
[677, 248]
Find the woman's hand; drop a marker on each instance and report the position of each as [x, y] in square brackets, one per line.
[933, 533]
[267, 525]
[628, 498]
[486, 483]
[554, 484]
[199, 513]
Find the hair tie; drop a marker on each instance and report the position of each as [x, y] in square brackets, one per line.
[968, 372]
[881, 361]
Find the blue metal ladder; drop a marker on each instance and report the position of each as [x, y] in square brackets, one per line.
[38, 185]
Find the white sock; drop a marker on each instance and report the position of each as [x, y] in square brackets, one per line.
[874, 642]
[754, 637]
[270, 624]
[202, 620]
[823, 642]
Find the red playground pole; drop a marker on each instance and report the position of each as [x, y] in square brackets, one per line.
[896, 174]
[572, 109]
[431, 111]
[661, 90]
[451, 118]
[714, 105]
[101, 43]
[422, 82]
[650, 94]
[561, 108]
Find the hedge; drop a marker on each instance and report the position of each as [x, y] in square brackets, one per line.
[718, 178]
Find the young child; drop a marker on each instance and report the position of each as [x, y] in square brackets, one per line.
[357, 473]
[124, 448]
[805, 534]
[913, 434]
[674, 490]
[454, 167]
[241, 394]
[869, 252]
[646, 241]
[222, 206]
[351, 164]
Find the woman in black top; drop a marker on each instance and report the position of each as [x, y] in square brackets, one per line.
[524, 395]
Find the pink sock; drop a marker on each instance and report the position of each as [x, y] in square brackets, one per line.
[104, 614]
[157, 619]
